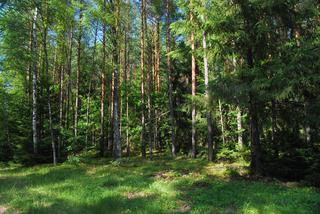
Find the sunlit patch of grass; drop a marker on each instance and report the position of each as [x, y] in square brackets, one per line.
[142, 186]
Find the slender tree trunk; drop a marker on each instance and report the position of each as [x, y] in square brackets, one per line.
[103, 79]
[120, 82]
[6, 122]
[149, 91]
[41, 87]
[90, 86]
[55, 74]
[88, 128]
[111, 118]
[30, 67]
[127, 128]
[127, 74]
[239, 114]
[239, 127]
[307, 127]
[170, 90]
[61, 101]
[222, 123]
[143, 145]
[77, 102]
[115, 31]
[206, 82]
[45, 33]
[154, 121]
[69, 95]
[34, 82]
[62, 66]
[150, 125]
[193, 91]
[157, 80]
[157, 54]
[256, 166]
[255, 138]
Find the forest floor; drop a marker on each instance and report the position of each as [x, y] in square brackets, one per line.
[142, 186]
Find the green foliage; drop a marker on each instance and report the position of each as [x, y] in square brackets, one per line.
[73, 160]
[260, 53]
[226, 154]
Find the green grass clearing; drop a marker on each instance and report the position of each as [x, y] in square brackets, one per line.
[160, 186]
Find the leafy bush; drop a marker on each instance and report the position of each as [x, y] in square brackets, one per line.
[74, 159]
[226, 154]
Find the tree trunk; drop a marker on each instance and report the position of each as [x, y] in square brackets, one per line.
[193, 90]
[103, 79]
[88, 128]
[154, 121]
[222, 123]
[142, 44]
[206, 82]
[41, 89]
[110, 123]
[76, 111]
[149, 91]
[45, 33]
[255, 138]
[307, 127]
[239, 127]
[115, 32]
[170, 90]
[255, 165]
[157, 54]
[90, 86]
[34, 82]
[55, 74]
[157, 80]
[150, 125]
[61, 101]
[69, 95]
[127, 74]
[30, 67]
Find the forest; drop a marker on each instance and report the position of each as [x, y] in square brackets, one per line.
[159, 106]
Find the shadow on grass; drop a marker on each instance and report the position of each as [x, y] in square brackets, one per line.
[240, 196]
[16, 182]
[79, 189]
[108, 204]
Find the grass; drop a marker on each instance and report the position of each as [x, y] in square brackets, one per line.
[159, 186]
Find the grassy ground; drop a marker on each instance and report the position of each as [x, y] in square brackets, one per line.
[160, 186]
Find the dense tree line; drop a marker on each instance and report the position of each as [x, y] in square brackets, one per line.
[226, 79]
